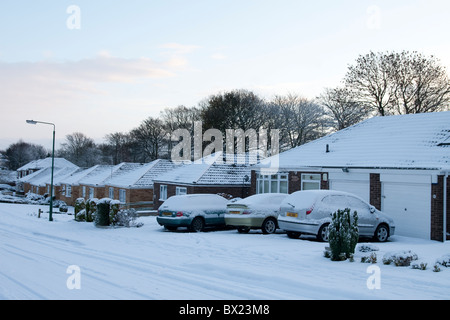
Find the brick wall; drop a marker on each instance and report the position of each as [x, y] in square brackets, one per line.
[235, 191]
[437, 209]
[375, 190]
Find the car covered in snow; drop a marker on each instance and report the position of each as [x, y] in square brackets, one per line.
[259, 211]
[310, 212]
[195, 211]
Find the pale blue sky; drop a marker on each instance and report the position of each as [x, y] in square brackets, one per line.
[131, 59]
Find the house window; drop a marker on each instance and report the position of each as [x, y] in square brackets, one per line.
[310, 181]
[123, 196]
[181, 191]
[275, 183]
[68, 190]
[111, 192]
[91, 193]
[84, 191]
[162, 192]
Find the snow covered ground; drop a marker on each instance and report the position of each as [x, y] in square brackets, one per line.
[43, 260]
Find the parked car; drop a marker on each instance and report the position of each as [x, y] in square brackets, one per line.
[195, 211]
[309, 212]
[259, 211]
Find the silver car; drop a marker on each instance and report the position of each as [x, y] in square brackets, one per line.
[259, 211]
[309, 212]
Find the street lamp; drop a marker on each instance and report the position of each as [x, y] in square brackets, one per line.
[50, 217]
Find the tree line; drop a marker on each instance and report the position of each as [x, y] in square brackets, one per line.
[377, 84]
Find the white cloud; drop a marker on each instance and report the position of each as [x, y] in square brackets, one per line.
[218, 56]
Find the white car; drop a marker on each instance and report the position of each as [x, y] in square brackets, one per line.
[309, 212]
[259, 211]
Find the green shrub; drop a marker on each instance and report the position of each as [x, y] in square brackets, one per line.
[80, 205]
[102, 213]
[343, 234]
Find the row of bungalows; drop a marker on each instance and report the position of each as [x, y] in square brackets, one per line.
[130, 183]
[213, 174]
[37, 165]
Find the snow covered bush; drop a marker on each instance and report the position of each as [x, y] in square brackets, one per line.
[419, 265]
[367, 247]
[444, 261]
[126, 218]
[91, 208]
[80, 205]
[400, 258]
[372, 258]
[343, 234]
[102, 212]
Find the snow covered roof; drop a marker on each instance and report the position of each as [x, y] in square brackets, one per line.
[418, 141]
[47, 163]
[43, 176]
[137, 175]
[156, 169]
[98, 175]
[210, 170]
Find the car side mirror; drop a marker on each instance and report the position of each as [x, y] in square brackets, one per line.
[372, 209]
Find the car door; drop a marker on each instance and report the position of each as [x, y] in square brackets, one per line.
[366, 219]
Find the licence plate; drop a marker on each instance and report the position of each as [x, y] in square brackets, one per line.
[167, 214]
[235, 212]
[292, 214]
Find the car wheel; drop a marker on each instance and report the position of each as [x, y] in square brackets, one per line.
[293, 235]
[322, 236]
[269, 226]
[382, 233]
[243, 229]
[197, 225]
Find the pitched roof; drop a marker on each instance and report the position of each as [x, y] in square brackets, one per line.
[418, 141]
[47, 163]
[98, 175]
[210, 170]
[43, 176]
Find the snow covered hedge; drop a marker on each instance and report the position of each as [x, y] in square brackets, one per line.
[88, 210]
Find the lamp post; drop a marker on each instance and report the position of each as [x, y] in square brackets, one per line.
[50, 216]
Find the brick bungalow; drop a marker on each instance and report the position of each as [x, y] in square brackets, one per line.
[39, 170]
[37, 165]
[39, 181]
[399, 164]
[132, 183]
[208, 175]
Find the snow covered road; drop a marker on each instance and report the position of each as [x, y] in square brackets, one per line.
[151, 263]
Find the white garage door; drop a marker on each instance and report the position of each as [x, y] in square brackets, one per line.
[359, 188]
[410, 207]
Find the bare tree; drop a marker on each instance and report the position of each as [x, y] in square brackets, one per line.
[342, 108]
[369, 81]
[119, 146]
[180, 117]
[20, 153]
[149, 139]
[301, 120]
[421, 84]
[399, 83]
[80, 149]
